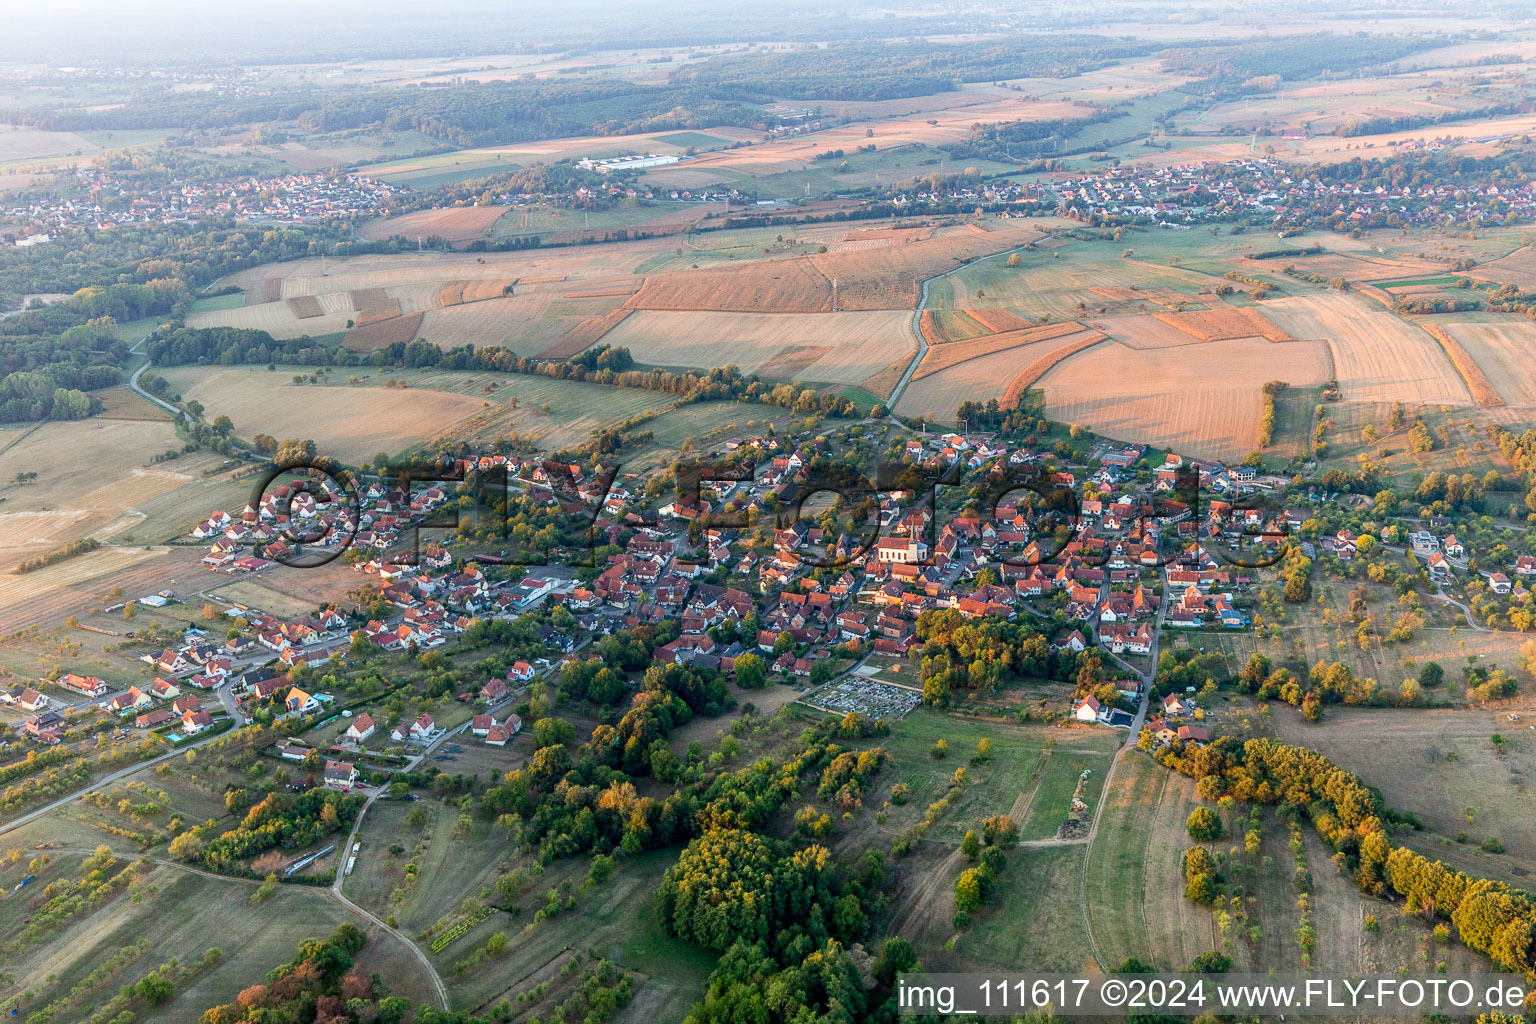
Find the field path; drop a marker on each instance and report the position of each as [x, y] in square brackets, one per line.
[916, 325]
[932, 886]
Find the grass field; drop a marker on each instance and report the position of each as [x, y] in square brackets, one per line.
[126, 498]
[614, 919]
[1442, 766]
[1057, 777]
[214, 302]
[1029, 766]
[703, 424]
[256, 595]
[1132, 876]
[355, 422]
[1035, 908]
[1053, 280]
[182, 915]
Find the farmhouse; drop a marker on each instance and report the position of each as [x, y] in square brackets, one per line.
[498, 735]
[1194, 734]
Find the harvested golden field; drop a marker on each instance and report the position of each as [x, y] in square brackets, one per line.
[276, 318]
[121, 494]
[780, 286]
[349, 423]
[976, 379]
[1042, 365]
[586, 333]
[491, 288]
[455, 225]
[374, 302]
[18, 143]
[1377, 356]
[1472, 376]
[853, 345]
[1161, 296]
[311, 277]
[998, 320]
[916, 233]
[884, 277]
[383, 332]
[890, 277]
[1503, 352]
[517, 322]
[1198, 399]
[1352, 266]
[121, 404]
[883, 383]
[928, 323]
[947, 326]
[19, 591]
[1142, 330]
[1224, 322]
[940, 358]
[610, 292]
[267, 289]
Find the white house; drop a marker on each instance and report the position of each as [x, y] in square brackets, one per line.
[421, 729]
[361, 728]
[1088, 709]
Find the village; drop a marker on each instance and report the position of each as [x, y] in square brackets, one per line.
[92, 197]
[832, 615]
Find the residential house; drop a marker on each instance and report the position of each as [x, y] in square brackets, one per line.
[420, 730]
[301, 702]
[194, 722]
[340, 775]
[89, 686]
[1088, 709]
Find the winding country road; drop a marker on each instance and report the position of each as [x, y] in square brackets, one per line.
[133, 385]
[916, 325]
[1471, 622]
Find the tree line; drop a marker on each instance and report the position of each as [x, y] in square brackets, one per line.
[1489, 916]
